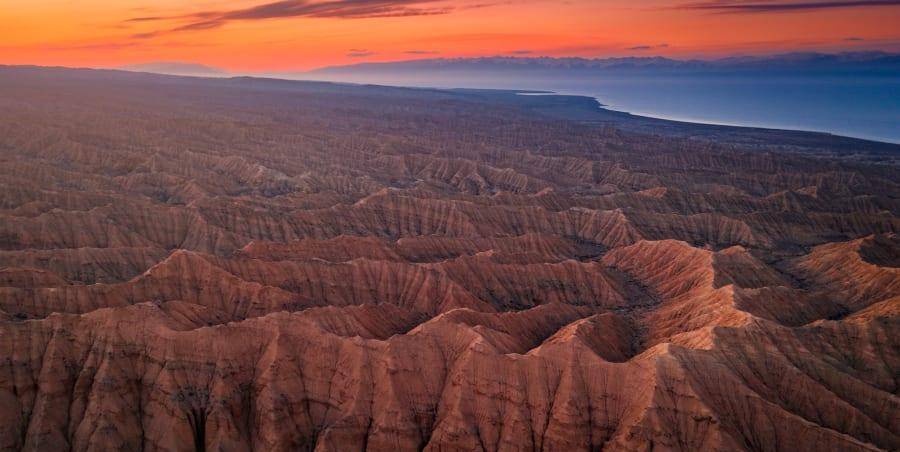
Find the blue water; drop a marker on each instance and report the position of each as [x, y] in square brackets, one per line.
[863, 107]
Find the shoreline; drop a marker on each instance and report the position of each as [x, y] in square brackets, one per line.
[578, 107]
[702, 121]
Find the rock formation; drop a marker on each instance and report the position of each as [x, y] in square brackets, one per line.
[247, 264]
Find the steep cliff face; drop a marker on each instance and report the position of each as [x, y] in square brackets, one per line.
[249, 265]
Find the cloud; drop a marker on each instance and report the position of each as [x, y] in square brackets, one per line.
[853, 39]
[768, 6]
[341, 9]
[421, 52]
[360, 53]
[347, 9]
[646, 47]
[203, 25]
[145, 19]
[521, 52]
[148, 35]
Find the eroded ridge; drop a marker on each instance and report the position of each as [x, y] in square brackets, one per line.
[236, 264]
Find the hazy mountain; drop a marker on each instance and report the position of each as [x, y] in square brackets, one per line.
[847, 93]
[851, 63]
[177, 68]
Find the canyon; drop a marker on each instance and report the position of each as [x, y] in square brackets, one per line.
[258, 264]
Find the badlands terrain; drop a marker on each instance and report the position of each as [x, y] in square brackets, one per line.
[248, 264]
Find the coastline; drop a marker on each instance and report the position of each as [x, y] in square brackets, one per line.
[588, 108]
[577, 107]
[688, 119]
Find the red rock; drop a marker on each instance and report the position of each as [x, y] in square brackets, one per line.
[262, 265]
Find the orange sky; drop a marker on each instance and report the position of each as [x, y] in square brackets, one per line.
[267, 35]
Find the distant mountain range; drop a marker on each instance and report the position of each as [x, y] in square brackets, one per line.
[851, 63]
[846, 93]
[177, 68]
[854, 63]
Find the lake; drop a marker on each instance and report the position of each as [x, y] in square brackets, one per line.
[862, 107]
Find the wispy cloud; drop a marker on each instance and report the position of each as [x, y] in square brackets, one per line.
[768, 6]
[647, 47]
[421, 52]
[145, 35]
[340, 9]
[145, 19]
[360, 53]
[346, 9]
[521, 52]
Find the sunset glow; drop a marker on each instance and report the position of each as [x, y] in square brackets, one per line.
[256, 35]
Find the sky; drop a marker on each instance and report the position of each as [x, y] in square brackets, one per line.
[288, 35]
